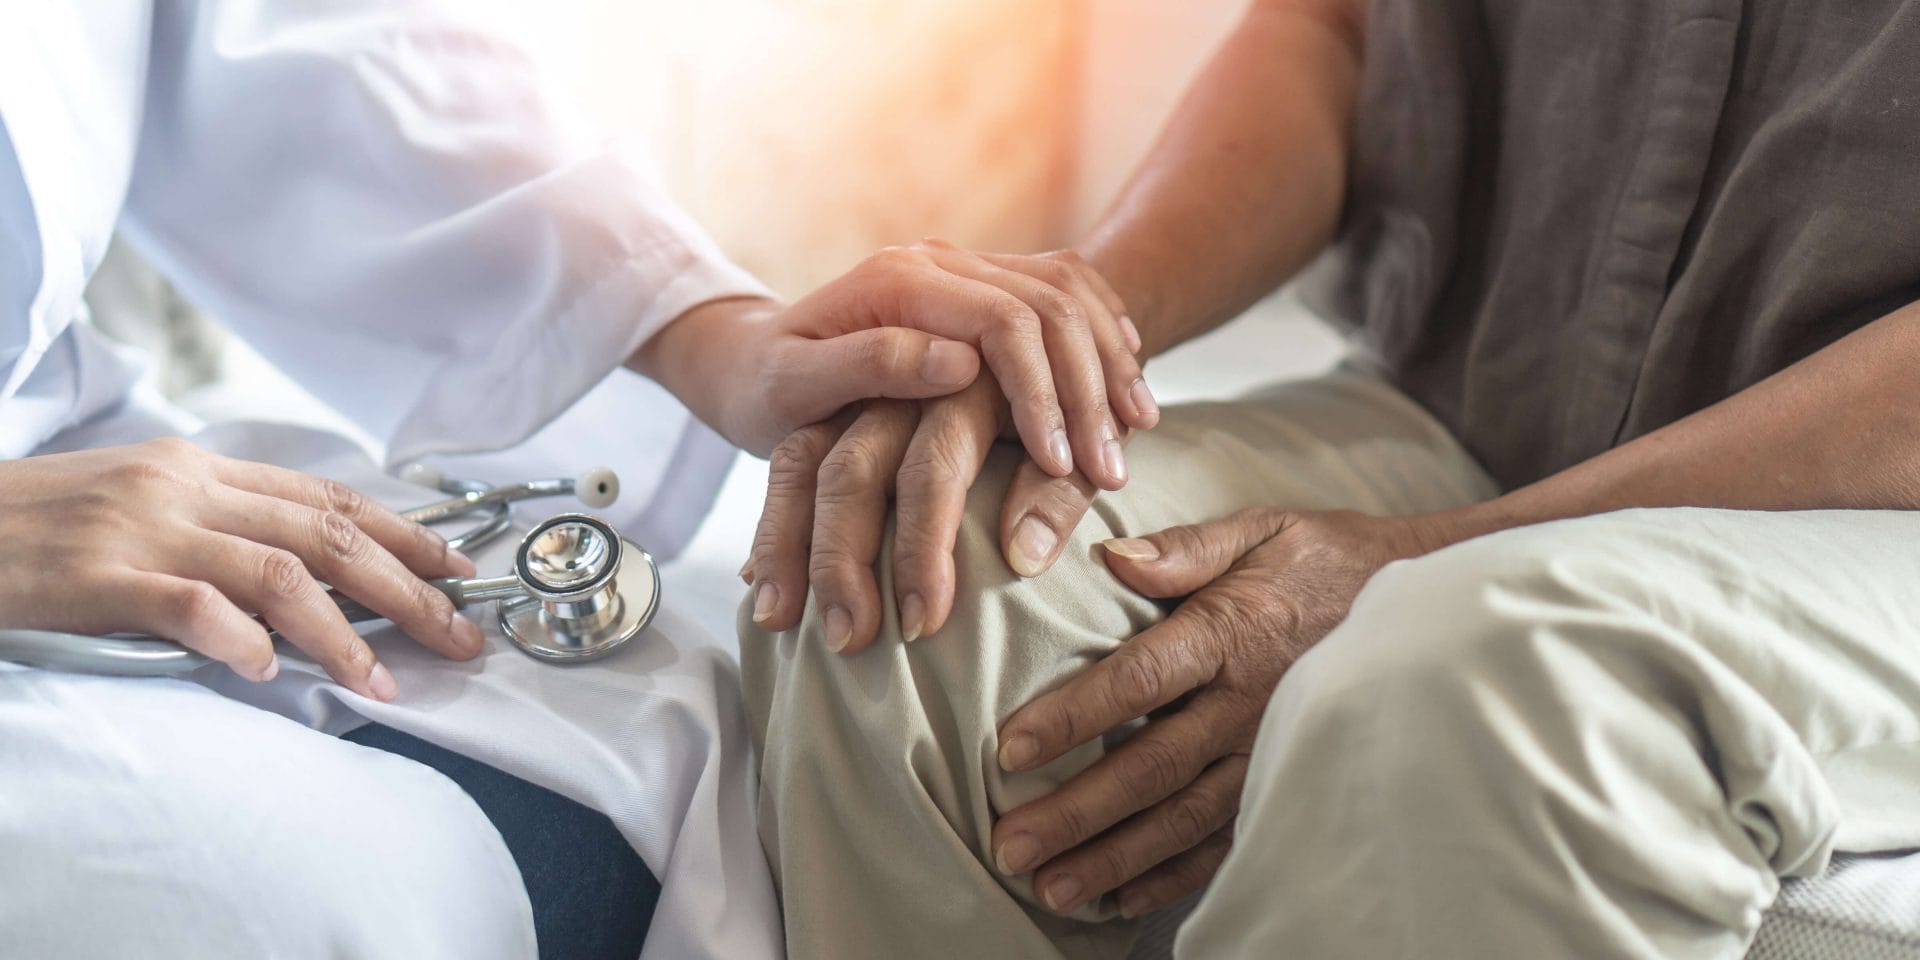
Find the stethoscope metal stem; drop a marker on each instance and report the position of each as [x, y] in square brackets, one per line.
[473, 499]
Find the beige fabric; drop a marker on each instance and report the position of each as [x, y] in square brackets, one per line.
[878, 780]
[1600, 738]
[1597, 738]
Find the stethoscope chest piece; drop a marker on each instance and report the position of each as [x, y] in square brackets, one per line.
[588, 591]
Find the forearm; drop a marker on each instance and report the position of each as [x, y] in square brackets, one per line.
[1839, 430]
[1246, 184]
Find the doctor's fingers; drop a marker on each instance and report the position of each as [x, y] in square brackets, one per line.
[1010, 335]
[339, 552]
[850, 520]
[812, 380]
[189, 612]
[1113, 333]
[930, 500]
[778, 564]
[274, 584]
[1068, 325]
[421, 550]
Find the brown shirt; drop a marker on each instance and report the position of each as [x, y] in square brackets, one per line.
[1572, 223]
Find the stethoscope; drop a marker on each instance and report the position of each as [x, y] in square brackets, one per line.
[578, 590]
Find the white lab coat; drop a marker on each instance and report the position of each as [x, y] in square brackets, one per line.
[387, 203]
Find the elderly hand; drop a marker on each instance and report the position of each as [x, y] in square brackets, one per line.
[905, 323]
[826, 512]
[166, 539]
[1153, 818]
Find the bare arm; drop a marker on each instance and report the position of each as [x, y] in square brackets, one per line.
[1246, 183]
[1840, 429]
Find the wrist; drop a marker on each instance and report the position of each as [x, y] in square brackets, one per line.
[1127, 274]
[702, 355]
[1437, 531]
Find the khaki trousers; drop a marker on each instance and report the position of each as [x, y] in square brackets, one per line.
[1605, 737]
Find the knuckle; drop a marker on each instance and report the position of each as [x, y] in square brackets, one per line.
[1066, 311]
[283, 576]
[147, 475]
[195, 607]
[1151, 771]
[892, 259]
[932, 470]
[1136, 681]
[430, 601]
[1188, 818]
[172, 449]
[342, 499]
[829, 561]
[801, 451]
[1117, 863]
[889, 350]
[852, 466]
[355, 656]
[1015, 316]
[1074, 822]
[1061, 724]
[340, 538]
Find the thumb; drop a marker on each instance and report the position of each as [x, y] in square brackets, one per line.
[1180, 560]
[889, 362]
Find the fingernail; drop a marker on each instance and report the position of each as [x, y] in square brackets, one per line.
[380, 683]
[913, 617]
[1134, 904]
[1033, 543]
[839, 628]
[467, 634]
[1132, 548]
[1063, 892]
[272, 669]
[1017, 752]
[1017, 855]
[746, 572]
[1143, 399]
[1116, 461]
[765, 598]
[1131, 332]
[1059, 449]
[460, 564]
[948, 364]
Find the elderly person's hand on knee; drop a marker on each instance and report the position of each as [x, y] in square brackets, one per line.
[1152, 819]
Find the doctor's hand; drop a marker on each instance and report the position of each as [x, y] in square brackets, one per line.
[166, 539]
[828, 493]
[912, 323]
[1153, 818]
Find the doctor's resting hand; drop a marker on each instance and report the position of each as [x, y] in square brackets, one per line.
[912, 323]
[164, 538]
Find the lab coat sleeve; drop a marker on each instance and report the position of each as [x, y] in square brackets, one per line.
[390, 204]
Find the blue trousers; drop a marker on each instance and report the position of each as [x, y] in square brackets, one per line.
[592, 896]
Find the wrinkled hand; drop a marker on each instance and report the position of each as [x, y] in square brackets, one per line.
[905, 323]
[166, 539]
[826, 513]
[1153, 818]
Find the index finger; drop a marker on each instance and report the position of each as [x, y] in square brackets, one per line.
[930, 501]
[423, 551]
[1152, 670]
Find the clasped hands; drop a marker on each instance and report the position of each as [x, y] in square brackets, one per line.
[1152, 820]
